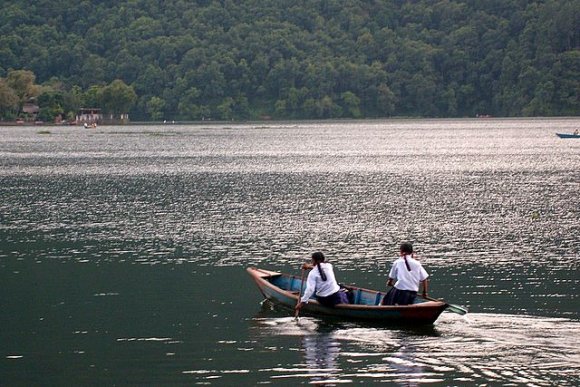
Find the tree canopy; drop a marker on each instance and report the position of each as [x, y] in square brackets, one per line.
[234, 59]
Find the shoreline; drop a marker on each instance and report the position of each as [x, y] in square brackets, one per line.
[256, 122]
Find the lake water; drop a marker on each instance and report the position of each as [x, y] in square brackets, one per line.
[123, 251]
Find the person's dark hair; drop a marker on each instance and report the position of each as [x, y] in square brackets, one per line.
[318, 257]
[407, 248]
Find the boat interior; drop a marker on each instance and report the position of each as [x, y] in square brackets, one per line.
[356, 296]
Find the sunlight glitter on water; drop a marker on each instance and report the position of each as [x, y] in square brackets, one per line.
[97, 228]
[496, 348]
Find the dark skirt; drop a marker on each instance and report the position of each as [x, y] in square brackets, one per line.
[339, 297]
[399, 297]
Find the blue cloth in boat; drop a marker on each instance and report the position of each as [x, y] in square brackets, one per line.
[334, 299]
[399, 297]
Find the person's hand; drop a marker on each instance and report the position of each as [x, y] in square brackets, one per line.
[299, 306]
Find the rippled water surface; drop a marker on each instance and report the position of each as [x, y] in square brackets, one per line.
[122, 251]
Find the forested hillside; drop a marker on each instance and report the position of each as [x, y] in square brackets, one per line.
[249, 59]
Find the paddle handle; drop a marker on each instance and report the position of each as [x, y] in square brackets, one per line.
[431, 298]
[297, 311]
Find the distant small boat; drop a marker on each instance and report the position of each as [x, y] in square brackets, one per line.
[284, 289]
[568, 135]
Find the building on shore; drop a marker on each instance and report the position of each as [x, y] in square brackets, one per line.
[117, 119]
[89, 116]
[30, 111]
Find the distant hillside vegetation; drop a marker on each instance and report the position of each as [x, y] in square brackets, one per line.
[294, 59]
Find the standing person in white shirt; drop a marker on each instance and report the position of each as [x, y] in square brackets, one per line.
[409, 274]
[321, 283]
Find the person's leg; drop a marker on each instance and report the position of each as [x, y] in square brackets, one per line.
[390, 297]
[406, 297]
[331, 300]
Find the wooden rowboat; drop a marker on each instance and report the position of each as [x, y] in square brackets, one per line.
[283, 289]
[568, 135]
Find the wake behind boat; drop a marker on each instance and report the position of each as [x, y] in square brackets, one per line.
[284, 289]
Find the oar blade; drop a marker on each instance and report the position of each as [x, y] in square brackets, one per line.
[450, 307]
[457, 309]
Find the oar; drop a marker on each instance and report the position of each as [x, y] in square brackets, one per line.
[297, 312]
[452, 308]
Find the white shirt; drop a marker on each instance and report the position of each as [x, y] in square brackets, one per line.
[314, 283]
[408, 280]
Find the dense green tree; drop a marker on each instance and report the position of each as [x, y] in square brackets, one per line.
[9, 101]
[352, 104]
[23, 82]
[117, 97]
[51, 103]
[307, 59]
[188, 106]
[92, 98]
[155, 107]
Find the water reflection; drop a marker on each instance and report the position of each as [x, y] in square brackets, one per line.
[480, 348]
[335, 352]
[321, 353]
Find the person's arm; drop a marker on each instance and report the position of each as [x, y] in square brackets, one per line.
[307, 294]
[308, 291]
[392, 275]
[425, 284]
[424, 276]
[310, 288]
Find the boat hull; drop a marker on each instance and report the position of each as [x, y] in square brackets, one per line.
[283, 289]
[568, 135]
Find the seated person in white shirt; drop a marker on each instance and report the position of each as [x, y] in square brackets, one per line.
[321, 283]
[409, 274]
